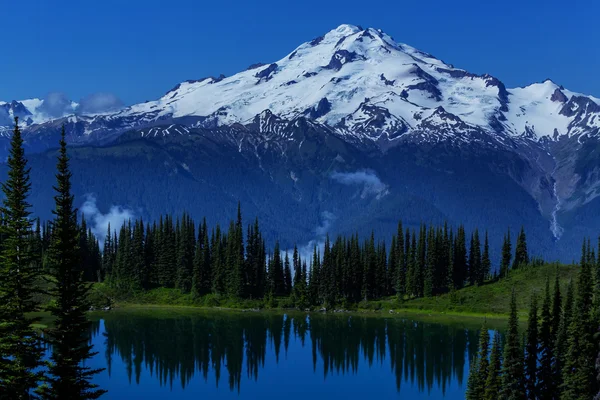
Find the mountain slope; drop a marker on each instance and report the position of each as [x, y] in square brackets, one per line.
[352, 115]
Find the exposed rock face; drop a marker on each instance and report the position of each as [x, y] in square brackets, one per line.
[559, 96]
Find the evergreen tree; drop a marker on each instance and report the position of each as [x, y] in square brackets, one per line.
[561, 347]
[521, 255]
[493, 381]
[401, 266]
[459, 263]
[69, 377]
[479, 373]
[531, 349]
[506, 256]
[513, 374]
[556, 307]
[198, 267]
[578, 372]
[474, 259]
[546, 388]
[107, 254]
[486, 264]
[20, 350]
[430, 264]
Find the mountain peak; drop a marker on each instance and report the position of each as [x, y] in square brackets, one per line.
[346, 29]
[331, 80]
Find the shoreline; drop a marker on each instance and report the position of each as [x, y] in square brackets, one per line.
[388, 313]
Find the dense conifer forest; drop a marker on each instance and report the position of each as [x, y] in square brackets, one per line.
[178, 253]
[558, 355]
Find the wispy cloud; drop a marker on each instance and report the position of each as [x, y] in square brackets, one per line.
[370, 182]
[98, 222]
[306, 250]
[56, 104]
[98, 103]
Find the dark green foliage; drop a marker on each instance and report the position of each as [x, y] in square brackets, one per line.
[68, 378]
[513, 372]
[170, 254]
[493, 381]
[506, 255]
[20, 350]
[475, 270]
[480, 368]
[486, 263]
[521, 254]
[559, 357]
[561, 347]
[459, 264]
[531, 350]
[546, 383]
[578, 370]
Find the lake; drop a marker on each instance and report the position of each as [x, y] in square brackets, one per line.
[200, 354]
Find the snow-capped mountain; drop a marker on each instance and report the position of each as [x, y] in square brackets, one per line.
[360, 82]
[360, 88]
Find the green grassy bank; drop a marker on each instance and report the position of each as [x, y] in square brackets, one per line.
[490, 300]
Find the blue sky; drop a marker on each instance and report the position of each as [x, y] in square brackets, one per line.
[140, 49]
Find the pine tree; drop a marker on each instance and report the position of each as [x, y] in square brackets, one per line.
[578, 371]
[460, 259]
[513, 374]
[197, 267]
[561, 347]
[474, 259]
[494, 380]
[20, 350]
[107, 254]
[546, 387]
[69, 337]
[480, 371]
[531, 348]
[521, 254]
[556, 306]
[430, 265]
[506, 256]
[486, 264]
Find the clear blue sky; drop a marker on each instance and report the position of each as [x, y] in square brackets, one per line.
[140, 49]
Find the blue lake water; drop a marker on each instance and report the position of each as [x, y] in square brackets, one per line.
[191, 355]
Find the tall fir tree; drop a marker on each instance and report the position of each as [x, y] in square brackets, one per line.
[531, 350]
[68, 378]
[460, 258]
[494, 380]
[474, 259]
[521, 253]
[561, 347]
[506, 255]
[20, 349]
[513, 374]
[480, 368]
[401, 267]
[546, 385]
[578, 371]
[486, 263]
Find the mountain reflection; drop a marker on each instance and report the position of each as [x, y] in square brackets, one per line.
[179, 348]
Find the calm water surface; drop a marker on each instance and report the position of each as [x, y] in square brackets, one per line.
[191, 355]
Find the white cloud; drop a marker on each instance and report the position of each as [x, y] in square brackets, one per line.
[98, 222]
[98, 103]
[366, 178]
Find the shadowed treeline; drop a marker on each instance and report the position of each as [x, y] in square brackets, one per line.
[186, 347]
